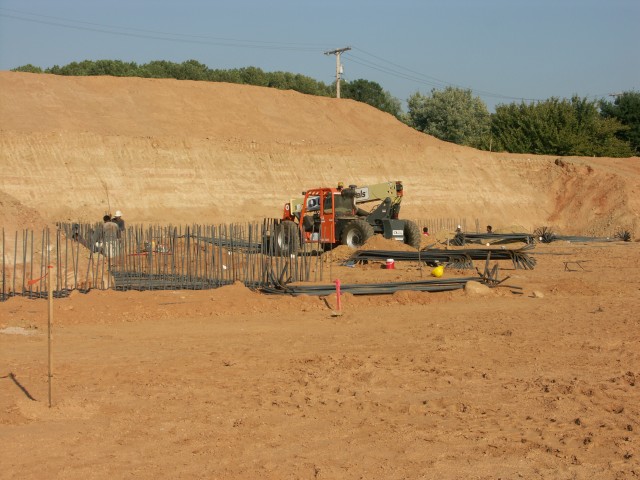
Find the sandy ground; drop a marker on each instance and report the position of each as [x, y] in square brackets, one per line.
[231, 383]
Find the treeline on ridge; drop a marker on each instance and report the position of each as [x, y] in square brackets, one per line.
[189, 70]
[575, 126]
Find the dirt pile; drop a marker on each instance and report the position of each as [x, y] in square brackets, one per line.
[378, 242]
[73, 148]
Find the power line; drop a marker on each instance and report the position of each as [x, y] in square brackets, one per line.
[386, 67]
[395, 73]
[426, 79]
[153, 34]
[429, 79]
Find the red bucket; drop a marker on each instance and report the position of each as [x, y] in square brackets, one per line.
[391, 264]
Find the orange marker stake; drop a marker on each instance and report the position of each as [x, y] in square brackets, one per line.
[36, 280]
[49, 325]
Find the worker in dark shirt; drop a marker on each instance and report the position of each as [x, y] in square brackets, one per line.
[117, 218]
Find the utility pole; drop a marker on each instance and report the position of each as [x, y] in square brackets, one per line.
[337, 53]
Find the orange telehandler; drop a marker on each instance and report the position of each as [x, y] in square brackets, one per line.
[334, 216]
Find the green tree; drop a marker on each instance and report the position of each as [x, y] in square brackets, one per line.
[71, 69]
[114, 68]
[253, 76]
[557, 127]
[27, 68]
[297, 82]
[191, 70]
[308, 85]
[372, 94]
[452, 114]
[229, 76]
[625, 109]
[159, 69]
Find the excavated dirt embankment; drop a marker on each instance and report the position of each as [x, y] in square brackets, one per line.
[72, 148]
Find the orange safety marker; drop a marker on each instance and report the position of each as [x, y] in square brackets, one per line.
[49, 333]
[36, 280]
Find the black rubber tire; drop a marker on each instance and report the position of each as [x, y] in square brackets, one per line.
[356, 233]
[266, 244]
[287, 238]
[412, 235]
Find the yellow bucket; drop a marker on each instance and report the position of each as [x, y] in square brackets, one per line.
[438, 271]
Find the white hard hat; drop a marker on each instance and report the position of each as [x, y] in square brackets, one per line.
[118, 213]
[458, 225]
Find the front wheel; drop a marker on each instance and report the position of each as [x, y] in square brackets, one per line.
[356, 233]
[287, 238]
[412, 236]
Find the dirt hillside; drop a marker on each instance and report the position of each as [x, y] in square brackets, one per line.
[72, 148]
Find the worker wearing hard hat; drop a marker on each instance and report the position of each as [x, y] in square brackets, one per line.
[117, 219]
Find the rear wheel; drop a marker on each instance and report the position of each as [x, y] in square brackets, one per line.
[356, 233]
[287, 238]
[412, 234]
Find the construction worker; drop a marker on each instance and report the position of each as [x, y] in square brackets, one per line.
[75, 232]
[109, 229]
[117, 218]
[425, 231]
[111, 234]
[489, 229]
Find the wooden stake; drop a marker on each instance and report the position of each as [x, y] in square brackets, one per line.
[338, 311]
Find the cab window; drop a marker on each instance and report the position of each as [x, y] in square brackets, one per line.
[328, 204]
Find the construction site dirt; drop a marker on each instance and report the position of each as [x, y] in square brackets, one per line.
[535, 378]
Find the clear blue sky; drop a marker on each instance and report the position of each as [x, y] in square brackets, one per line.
[504, 50]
